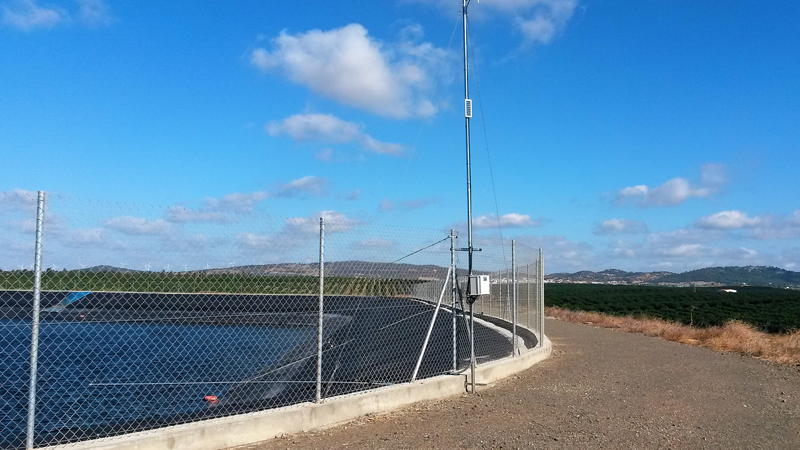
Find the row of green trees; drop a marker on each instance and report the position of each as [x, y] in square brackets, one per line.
[768, 309]
[117, 281]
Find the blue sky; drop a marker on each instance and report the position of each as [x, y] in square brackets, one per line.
[650, 135]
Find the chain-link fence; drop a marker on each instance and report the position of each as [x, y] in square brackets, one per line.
[116, 318]
[516, 277]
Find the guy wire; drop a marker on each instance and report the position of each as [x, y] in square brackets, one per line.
[435, 87]
[488, 156]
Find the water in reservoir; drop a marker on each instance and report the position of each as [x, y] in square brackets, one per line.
[99, 374]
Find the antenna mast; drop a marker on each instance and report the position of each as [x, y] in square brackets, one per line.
[467, 116]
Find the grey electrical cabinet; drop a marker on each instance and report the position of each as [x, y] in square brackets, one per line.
[479, 285]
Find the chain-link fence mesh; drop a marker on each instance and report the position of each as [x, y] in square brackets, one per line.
[18, 210]
[156, 316]
[512, 299]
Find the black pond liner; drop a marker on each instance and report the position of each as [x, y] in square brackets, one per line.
[368, 342]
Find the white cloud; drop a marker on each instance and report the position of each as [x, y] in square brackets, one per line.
[409, 205]
[329, 129]
[545, 19]
[94, 12]
[226, 209]
[27, 15]
[766, 227]
[297, 232]
[685, 249]
[326, 154]
[349, 66]
[82, 238]
[236, 202]
[621, 252]
[386, 205]
[374, 243]
[135, 226]
[618, 226]
[315, 127]
[335, 221]
[354, 195]
[191, 243]
[511, 220]
[712, 175]
[674, 191]
[254, 241]
[57, 229]
[19, 200]
[385, 148]
[727, 220]
[676, 237]
[778, 226]
[705, 256]
[538, 21]
[562, 254]
[180, 214]
[310, 185]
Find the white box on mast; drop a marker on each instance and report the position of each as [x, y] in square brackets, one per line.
[479, 285]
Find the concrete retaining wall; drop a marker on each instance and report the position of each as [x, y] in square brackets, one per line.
[243, 429]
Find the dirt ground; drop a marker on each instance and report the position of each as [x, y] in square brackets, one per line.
[600, 389]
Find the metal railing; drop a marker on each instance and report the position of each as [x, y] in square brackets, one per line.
[135, 317]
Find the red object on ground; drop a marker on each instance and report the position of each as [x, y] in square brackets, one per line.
[210, 398]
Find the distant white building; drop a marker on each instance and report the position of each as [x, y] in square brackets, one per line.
[732, 291]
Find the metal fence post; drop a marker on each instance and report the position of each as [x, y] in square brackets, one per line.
[528, 293]
[514, 295]
[321, 303]
[37, 293]
[541, 297]
[453, 293]
[491, 293]
[508, 294]
[501, 313]
[472, 347]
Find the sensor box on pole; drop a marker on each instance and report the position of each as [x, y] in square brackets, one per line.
[479, 285]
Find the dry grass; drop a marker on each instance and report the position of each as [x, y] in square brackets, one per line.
[734, 336]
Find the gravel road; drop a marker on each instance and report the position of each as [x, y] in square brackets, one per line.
[600, 389]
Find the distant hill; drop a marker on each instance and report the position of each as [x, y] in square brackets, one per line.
[339, 268]
[714, 276]
[106, 268]
[730, 276]
[750, 275]
[610, 276]
[332, 269]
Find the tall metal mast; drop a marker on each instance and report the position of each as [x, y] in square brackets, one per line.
[467, 116]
